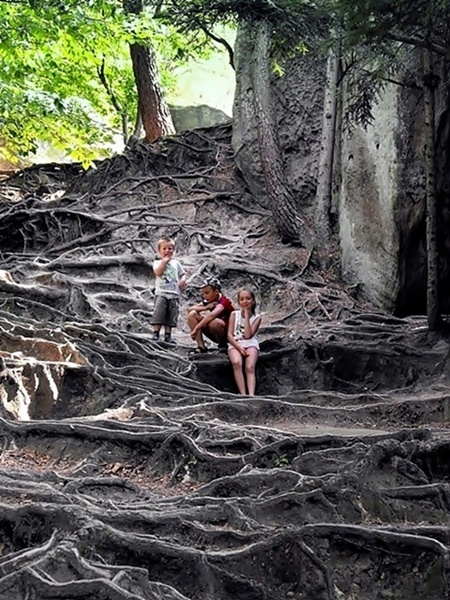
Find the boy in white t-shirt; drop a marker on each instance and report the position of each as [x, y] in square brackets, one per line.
[170, 281]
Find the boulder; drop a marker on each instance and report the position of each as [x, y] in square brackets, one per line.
[194, 117]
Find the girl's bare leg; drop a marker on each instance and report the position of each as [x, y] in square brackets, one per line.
[250, 364]
[236, 361]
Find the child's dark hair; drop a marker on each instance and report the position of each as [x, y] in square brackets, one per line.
[253, 297]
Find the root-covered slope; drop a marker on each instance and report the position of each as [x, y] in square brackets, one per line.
[130, 471]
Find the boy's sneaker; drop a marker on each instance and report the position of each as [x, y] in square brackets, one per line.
[168, 340]
[155, 337]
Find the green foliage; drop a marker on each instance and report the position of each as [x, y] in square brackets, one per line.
[50, 58]
[52, 52]
[373, 36]
[297, 24]
[49, 89]
[281, 461]
[378, 21]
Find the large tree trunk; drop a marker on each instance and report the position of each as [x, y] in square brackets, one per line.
[153, 108]
[325, 170]
[253, 68]
[433, 309]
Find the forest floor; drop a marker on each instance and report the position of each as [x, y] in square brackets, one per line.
[129, 470]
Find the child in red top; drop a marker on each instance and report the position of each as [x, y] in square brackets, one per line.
[214, 324]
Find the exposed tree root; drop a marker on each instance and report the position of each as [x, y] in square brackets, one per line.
[130, 471]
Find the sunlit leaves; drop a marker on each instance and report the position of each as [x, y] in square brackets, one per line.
[48, 85]
[50, 55]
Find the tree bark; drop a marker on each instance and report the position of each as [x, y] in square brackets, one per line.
[433, 309]
[153, 108]
[290, 224]
[325, 170]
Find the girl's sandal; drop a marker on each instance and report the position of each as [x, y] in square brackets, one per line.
[198, 350]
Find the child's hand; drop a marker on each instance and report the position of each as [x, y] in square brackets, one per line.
[209, 305]
[243, 351]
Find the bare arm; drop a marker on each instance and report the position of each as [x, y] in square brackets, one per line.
[230, 332]
[182, 282]
[231, 338]
[218, 310]
[201, 307]
[250, 329]
[159, 270]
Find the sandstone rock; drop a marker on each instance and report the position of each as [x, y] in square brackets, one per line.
[193, 117]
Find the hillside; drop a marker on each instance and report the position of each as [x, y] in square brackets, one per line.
[131, 471]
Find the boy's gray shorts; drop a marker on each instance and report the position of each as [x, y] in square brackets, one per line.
[165, 311]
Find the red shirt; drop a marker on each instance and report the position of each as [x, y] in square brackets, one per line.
[227, 309]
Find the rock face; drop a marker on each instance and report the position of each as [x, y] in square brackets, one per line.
[299, 97]
[368, 202]
[381, 200]
[298, 103]
[245, 136]
[193, 117]
[378, 180]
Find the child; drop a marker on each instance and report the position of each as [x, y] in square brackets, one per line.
[215, 323]
[243, 344]
[170, 281]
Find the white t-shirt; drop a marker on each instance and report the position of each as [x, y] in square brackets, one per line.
[167, 284]
[239, 329]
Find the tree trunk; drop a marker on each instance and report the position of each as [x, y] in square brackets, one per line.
[287, 217]
[433, 309]
[153, 108]
[325, 170]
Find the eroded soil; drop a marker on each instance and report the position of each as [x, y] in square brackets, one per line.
[130, 471]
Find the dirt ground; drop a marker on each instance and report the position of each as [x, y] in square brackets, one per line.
[129, 470]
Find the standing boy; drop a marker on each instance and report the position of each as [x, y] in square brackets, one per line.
[170, 281]
[214, 324]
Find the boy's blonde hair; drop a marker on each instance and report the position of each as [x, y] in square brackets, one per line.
[165, 239]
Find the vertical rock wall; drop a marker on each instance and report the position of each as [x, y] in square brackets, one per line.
[368, 202]
[297, 98]
[410, 215]
[378, 177]
[245, 134]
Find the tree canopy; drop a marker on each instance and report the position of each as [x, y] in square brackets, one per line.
[66, 76]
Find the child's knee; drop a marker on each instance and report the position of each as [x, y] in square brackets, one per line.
[236, 360]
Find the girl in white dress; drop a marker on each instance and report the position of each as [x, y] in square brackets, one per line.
[243, 345]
